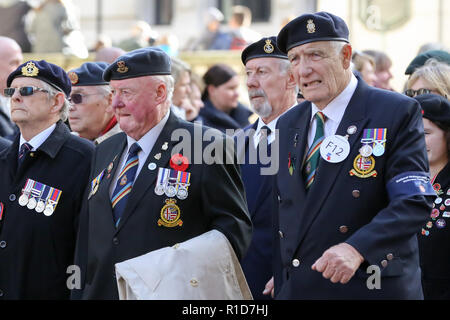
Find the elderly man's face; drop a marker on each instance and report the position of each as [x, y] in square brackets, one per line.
[90, 117]
[136, 104]
[266, 85]
[320, 71]
[34, 109]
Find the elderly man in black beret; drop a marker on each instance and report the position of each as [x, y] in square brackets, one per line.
[272, 91]
[44, 174]
[353, 187]
[146, 192]
[91, 115]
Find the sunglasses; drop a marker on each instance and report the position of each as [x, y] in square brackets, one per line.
[24, 91]
[412, 93]
[77, 98]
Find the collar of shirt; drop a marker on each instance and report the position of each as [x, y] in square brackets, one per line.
[334, 111]
[272, 126]
[38, 139]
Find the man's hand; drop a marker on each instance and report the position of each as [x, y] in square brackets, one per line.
[339, 263]
[269, 288]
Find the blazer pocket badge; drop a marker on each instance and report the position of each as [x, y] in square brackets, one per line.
[170, 214]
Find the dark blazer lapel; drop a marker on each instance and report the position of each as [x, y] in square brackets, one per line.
[146, 178]
[355, 114]
[297, 141]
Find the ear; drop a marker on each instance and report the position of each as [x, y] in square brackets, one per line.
[346, 53]
[161, 93]
[58, 102]
[290, 84]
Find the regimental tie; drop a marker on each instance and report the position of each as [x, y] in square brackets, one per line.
[24, 149]
[313, 155]
[125, 183]
[264, 133]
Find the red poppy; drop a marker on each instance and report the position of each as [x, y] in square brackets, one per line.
[179, 162]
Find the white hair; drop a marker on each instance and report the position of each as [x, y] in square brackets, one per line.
[170, 84]
[64, 112]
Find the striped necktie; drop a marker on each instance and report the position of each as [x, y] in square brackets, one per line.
[24, 149]
[313, 155]
[125, 183]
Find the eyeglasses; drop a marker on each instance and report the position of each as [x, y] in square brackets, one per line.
[77, 98]
[24, 91]
[412, 93]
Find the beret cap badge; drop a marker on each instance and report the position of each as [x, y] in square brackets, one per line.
[30, 70]
[310, 26]
[268, 47]
[73, 77]
[122, 68]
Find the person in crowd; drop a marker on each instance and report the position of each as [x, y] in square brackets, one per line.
[195, 96]
[135, 205]
[365, 65]
[13, 15]
[383, 66]
[353, 187]
[433, 77]
[108, 54]
[181, 73]
[272, 91]
[44, 174]
[10, 58]
[239, 25]
[91, 115]
[421, 59]
[141, 36]
[221, 98]
[214, 37]
[434, 238]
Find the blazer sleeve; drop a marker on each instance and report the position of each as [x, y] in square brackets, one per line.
[393, 229]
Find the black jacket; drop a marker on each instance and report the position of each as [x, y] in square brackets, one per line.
[36, 249]
[214, 118]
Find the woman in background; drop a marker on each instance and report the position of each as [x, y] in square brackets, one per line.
[222, 109]
[434, 239]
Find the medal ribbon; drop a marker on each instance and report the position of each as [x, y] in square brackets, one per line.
[28, 186]
[36, 191]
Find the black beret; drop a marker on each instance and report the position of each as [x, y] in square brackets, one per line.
[138, 63]
[264, 48]
[435, 108]
[420, 60]
[89, 74]
[45, 71]
[320, 26]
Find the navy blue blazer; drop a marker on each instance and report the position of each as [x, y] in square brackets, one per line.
[257, 263]
[4, 143]
[214, 118]
[340, 207]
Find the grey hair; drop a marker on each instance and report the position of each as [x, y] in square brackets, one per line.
[64, 112]
[337, 46]
[170, 83]
[105, 89]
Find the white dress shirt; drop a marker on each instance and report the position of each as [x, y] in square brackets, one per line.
[333, 112]
[146, 143]
[38, 139]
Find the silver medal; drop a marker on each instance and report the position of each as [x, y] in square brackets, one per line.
[171, 191]
[366, 151]
[182, 193]
[23, 200]
[40, 207]
[378, 150]
[159, 190]
[48, 210]
[31, 204]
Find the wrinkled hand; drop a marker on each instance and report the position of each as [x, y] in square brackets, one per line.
[339, 263]
[269, 288]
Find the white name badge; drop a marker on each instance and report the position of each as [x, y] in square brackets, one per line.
[335, 149]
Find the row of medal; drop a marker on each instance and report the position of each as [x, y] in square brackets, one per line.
[439, 223]
[173, 183]
[39, 197]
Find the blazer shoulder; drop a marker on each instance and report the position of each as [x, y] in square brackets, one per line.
[293, 114]
[80, 145]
